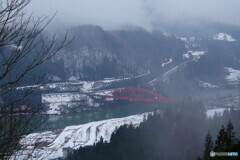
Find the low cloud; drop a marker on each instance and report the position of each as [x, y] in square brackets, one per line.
[112, 14]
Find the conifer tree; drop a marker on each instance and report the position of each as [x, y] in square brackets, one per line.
[208, 147]
[230, 135]
[221, 142]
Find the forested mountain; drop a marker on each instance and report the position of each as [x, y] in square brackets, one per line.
[174, 65]
[95, 54]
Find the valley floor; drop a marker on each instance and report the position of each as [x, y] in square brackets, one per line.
[50, 144]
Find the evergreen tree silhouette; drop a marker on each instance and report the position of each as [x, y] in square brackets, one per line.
[221, 142]
[208, 147]
[230, 135]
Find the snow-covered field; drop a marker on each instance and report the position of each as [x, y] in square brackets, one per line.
[51, 143]
[219, 111]
[56, 103]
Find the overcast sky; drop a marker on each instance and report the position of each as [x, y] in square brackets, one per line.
[112, 14]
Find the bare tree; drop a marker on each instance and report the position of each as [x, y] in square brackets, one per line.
[23, 47]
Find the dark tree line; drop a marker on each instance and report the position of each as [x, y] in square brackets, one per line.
[226, 142]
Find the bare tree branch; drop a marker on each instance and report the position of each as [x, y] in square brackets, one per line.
[23, 47]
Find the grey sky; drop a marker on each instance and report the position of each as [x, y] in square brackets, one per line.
[112, 14]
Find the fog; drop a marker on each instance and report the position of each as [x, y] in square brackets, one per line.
[112, 14]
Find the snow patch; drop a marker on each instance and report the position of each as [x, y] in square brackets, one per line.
[233, 76]
[56, 103]
[186, 55]
[182, 38]
[17, 47]
[219, 111]
[224, 37]
[195, 54]
[166, 74]
[168, 62]
[207, 85]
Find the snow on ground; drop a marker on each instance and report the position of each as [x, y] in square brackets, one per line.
[61, 97]
[233, 76]
[195, 54]
[55, 101]
[73, 78]
[105, 92]
[81, 86]
[73, 94]
[182, 38]
[28, 87]
[219, 111]
[207, 85]
[52, 142]
[186, 55]
[17, 47]
[142, 75]
[168, 62]
[229, 101]
[166, 74]
[224, 37]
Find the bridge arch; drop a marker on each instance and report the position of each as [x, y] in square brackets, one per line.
[137, 94]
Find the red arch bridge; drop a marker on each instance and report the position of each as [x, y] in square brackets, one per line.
[133, 94]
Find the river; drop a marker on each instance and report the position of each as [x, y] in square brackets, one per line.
[124, 109]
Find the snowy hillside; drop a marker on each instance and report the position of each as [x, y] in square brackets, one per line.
[51, 143]
[233, 76]
[224, 37]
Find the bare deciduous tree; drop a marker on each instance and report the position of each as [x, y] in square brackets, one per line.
[23, 46]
